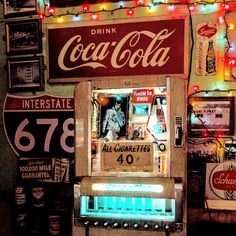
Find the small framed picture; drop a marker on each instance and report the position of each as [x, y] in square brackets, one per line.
[24, 37]
[26, 74]
[14, 8]
[211, 115]
[111, 116]
[138, 131]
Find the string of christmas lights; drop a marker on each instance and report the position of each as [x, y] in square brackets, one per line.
[85, 8]
[223, 6]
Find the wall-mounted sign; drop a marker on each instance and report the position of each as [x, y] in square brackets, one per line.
[40, 126]
[206, 49]
[127, 156]
[142, 95]
[222, 180]
[220, 186]
[117, 49]
[44, 169]
[214, 115]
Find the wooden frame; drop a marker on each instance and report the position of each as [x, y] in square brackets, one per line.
[175, 86]
[24, 37]
[26, 74]
[211, 115]
[105, 69]
[19, 8]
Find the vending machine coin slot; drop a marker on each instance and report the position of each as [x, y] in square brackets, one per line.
[178, 131]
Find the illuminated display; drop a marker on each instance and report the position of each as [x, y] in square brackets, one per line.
[153, 188]
[139, 208]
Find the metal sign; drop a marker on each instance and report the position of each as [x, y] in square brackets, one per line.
[40, 126]
[128, 156]
[223, 180]
[118, 49]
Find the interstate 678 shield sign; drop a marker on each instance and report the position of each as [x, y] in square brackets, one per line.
[40, 126]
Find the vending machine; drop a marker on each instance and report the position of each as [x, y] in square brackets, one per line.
[130, 157]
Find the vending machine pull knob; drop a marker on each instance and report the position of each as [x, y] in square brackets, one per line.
[125, 225]
[106, 223]
[178, 227]
[167, 227]
[86, 223]
[146, 226]
[157, 226]
[115, 224]
[136, 225]
[96, 223]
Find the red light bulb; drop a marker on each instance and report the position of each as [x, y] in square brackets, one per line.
[130, 12]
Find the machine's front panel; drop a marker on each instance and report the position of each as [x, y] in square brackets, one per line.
[130, 157]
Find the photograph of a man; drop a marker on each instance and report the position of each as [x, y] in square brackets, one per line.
[113, 121]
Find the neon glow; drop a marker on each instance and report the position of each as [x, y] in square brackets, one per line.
[195, 87]
[221, 20]
[127, 207]
[231, 26]
[94, 16]
[51, 10]
[41, 16]
[118, 98]
[86, 7]
[171, 7]
[130, 12]
[121, 4]
[191, 8]
[115, 187]
[151, 9]
[103, 7]
[76, 18]
[60, 20]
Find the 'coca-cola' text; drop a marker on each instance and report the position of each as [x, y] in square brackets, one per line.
[92, 55]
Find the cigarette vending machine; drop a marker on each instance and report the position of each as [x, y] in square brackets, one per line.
[130, 157]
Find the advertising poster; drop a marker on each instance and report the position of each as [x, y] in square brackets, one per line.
[206, 49]
[221, 185]
[44, 169]
[117, 49]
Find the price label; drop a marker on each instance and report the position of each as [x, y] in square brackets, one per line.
[40, 126]
[126, 156]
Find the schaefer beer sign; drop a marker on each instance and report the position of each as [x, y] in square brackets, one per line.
[222, 180]
[79, 52]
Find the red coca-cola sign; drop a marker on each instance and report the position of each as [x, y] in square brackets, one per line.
[207, 31]
[118, 49]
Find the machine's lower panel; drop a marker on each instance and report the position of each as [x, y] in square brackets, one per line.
[82, 231]
[136, 208]
[112, 208]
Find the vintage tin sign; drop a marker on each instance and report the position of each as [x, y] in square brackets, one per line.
[117, 49]
[221, 182]
[40, 126]
[206, 49]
